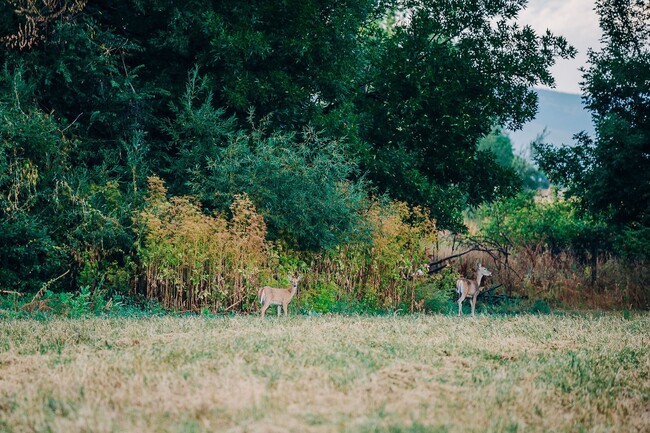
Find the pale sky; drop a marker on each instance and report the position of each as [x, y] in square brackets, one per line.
[577, 21]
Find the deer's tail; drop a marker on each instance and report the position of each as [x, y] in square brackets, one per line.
[461, 285]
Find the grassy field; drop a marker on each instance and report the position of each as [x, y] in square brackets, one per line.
[561, 373]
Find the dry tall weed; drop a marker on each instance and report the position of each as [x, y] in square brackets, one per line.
[568, 280]
[192, 260]
[560, 277]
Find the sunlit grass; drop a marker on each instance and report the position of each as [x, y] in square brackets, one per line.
[327, 374]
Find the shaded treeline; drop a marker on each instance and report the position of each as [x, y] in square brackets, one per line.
[189, 152]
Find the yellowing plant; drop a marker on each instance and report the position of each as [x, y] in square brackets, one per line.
[379, 269]
[193, 261]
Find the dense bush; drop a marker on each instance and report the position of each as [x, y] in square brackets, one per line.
[559, 254]
[377, 268]
[435, 294]
[300, 182]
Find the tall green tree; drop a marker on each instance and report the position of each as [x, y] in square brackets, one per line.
[610, 173]
[437, 83]
[500, 145]
[72, 144]
[411, 98]
[32, 158]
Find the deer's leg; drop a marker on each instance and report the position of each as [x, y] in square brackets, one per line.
[278, 310]
[460, 303]
[284, 306]
[473, 302]
[264, 308]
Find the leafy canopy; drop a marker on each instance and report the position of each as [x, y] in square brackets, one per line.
[436, 83]
[610, 173]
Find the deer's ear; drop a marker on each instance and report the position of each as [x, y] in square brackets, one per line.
[299, 277]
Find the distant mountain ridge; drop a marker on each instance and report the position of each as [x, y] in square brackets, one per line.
[561, 114]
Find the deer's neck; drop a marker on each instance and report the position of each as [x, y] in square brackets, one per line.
[294, 290]
[479, 277]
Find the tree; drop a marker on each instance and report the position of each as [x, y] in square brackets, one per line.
[301, 182]
[411, 100]
[32, 157]
[72, 134]
[610, 173]
[437, 83]
[500, 145]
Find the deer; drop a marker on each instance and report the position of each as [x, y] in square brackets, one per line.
[280, 297]
[471, 288]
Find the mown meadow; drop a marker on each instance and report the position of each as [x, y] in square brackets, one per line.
[564, 372]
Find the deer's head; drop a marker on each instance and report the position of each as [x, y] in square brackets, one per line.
[294, 280]
[482, 271]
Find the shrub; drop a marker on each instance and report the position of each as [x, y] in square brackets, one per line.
[300, 182]
[377, 266]
[319, 298]
[557, 255]
[436, 294]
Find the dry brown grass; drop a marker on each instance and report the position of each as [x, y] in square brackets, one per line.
[327, 374]
[562, 279]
